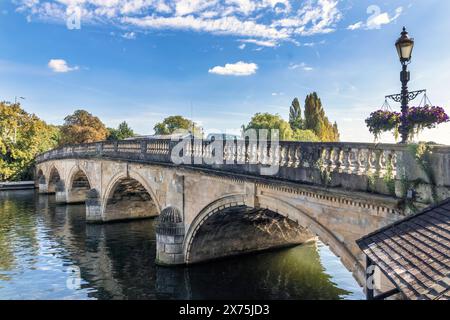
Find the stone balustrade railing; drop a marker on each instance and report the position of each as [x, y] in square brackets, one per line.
[380, 168]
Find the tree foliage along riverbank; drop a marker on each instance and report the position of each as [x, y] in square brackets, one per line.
[314, 127]
[174, 124]
[22, 137]
[82, 127]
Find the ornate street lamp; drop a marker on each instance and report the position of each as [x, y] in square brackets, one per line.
[404, 46]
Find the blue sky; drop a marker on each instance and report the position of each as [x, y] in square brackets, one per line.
[143, 60]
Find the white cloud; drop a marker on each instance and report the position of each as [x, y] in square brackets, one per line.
[224, 25]
[303, 66]
[377, 19]
[263, 43]
[129, 35]
[313, 44]
[235, 69]
[60, 66]
[356, 26]
[259, 20]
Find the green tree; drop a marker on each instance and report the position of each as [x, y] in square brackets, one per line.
[295, 115]
[82, 127]
[316, 120]
[271, 121]
[175, 124]
[22, 137]
[305, 136]
[122, 132]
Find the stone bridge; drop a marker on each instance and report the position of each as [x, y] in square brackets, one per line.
[224, 199]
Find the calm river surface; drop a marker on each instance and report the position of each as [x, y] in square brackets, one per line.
[47, 251]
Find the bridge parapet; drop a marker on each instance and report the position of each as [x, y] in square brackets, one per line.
[396, 170]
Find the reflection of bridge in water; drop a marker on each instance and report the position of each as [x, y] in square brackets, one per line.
[117, 260]
[336, 191]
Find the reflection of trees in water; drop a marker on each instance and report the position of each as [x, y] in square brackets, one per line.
[17, 229]
[84, 246]
[117, 260]
[294, 273]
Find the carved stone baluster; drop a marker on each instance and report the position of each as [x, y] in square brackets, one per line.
[393, 162]
[253, 156]
[226, 152]
[260, 155]
[370, 162]
[357, 162]
[380, 164]
[363, 161]
[323, 158]
[345, 160]
[282, 155]
[339, 160]
[289, 155]
[239, 153]
[332, 158]
[297, 156]
[268, 155]
[374, 167]
[306, 157]
[200, 150]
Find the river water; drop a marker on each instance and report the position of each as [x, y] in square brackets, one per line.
[47, 251]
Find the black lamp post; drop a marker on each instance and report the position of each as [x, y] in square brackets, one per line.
[404, 47]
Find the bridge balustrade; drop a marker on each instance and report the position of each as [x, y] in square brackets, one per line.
[356, 166]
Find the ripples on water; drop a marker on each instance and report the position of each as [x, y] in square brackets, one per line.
[43, 247]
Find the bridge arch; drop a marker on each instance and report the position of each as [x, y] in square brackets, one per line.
[54, 177]
[129, 196]
[229, 226]
[39, 175]
[78, 185]
[323, 232]
[295, 225]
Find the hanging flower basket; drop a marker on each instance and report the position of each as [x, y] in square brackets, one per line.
[427, 117]
[417, 119]
[383, 121]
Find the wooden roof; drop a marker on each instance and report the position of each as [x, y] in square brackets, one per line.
[414, 253]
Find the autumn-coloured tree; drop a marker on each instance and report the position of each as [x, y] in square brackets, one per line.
[316, 120]
[22, 137]
[82, 127]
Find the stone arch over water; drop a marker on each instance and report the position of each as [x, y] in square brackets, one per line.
[229, 227]
[78, 186]
[54, 178]
[127, 198]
